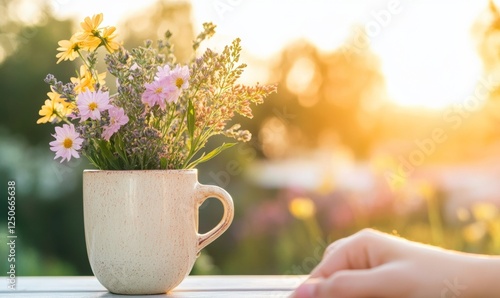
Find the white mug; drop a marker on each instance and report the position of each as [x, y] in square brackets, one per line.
[141, 227]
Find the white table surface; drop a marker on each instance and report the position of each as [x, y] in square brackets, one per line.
[193, 286]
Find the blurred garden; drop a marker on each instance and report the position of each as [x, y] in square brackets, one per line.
[332, 151]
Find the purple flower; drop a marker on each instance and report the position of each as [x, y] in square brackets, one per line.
[117, 119]
[67, 142]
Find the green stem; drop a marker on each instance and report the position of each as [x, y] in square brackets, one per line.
[93, 72]
[435, 221]
[313, 228]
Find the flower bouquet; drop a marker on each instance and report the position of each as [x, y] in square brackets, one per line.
[162, 113]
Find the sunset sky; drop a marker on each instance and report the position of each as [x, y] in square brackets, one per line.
[426, 48]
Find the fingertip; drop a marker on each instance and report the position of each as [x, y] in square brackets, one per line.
[306, 290]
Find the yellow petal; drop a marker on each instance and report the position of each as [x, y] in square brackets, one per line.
[89, 24]
[474, 232]
[302, 208]
[484, 211]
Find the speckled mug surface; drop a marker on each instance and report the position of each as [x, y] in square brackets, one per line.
[141, 227]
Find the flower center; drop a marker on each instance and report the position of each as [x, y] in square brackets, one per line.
[92, 106]
[179, 82]
[158, 90]
[68, 143]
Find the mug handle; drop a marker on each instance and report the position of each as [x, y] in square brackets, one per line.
[211, 191]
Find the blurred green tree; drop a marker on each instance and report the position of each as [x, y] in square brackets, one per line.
[49, 218]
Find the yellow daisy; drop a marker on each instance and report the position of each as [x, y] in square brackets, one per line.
[69, 49]
[90, 42]
[90, 37]
[54, 107]
[85, 80]
[90, 25]
[108, 34]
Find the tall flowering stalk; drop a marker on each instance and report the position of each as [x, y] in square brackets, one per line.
[162, 114]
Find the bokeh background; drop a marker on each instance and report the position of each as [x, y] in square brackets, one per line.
[387, 116]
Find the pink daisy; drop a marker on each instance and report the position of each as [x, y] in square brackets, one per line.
[162, 72]
[67, 142]
[177, 79]
[117, 119]
[167, 86]
[156, 93]
[180, 77]
[91, 104]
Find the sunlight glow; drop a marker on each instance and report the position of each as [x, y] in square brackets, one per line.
[114, 12]
[26, 11]
[301, 75]
[431, 63]
[425, 47]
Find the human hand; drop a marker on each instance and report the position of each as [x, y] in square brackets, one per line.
[374, 264]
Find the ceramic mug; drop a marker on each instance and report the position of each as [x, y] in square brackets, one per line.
[141, 227]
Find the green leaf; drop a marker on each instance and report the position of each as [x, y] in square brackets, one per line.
[163, 163]
[119, 148]
[106, 153]
[190, 119]
[211, 154]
